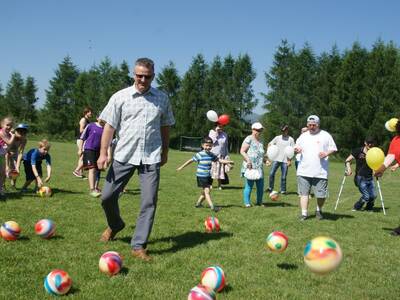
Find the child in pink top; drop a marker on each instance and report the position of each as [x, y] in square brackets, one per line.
[6, 138]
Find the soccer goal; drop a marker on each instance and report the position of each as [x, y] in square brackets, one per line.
[190, 143]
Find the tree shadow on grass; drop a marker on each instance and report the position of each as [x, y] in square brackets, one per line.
[63, 191]
[287, 267]
[334, 217]
[188, 239]
[277, 204]
[230, 205]
[13, 196]
[230, 187]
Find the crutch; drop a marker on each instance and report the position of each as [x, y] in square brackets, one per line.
[341, 189]
[380, 194]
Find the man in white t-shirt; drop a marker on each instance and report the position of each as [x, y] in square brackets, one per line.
[315, 146]
[281, 141]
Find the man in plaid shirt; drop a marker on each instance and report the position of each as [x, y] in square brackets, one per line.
[141, 116]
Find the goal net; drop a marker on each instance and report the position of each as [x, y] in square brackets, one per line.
[190, 143]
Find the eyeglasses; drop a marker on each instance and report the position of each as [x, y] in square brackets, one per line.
[312, 125]
[140, 76]
[258, 130]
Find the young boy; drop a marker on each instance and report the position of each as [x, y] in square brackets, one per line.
[363, 177]
[91, 138]
[204, 159]
[33, 165]
[15, 152]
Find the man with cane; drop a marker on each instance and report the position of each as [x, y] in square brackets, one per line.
[363, 177]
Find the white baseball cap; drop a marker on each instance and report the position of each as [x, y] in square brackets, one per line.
[257, 125]
[313, 119]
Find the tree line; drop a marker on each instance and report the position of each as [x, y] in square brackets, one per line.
[354, 92]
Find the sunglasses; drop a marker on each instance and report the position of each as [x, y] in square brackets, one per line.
[140, 76]
[258, 130]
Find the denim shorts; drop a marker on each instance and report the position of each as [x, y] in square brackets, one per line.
[320, 186]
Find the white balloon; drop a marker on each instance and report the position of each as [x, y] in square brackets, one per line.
[212, 116]
[272, 152]
[289, 152]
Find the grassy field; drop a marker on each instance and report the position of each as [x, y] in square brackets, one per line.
[181, 250]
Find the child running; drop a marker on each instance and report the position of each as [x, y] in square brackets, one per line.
[204, 159]
[33, 165]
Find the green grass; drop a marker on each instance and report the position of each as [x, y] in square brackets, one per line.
[181, 249]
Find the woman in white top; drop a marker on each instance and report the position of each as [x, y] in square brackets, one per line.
[252, 151]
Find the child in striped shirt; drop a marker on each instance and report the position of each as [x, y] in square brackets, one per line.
[204, 159]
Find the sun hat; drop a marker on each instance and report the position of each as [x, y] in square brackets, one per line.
[257, 126]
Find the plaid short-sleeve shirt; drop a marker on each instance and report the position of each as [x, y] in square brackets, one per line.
[137, 119]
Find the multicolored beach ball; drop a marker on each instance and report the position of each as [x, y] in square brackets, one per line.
[10, 231]
[110, 263]
[274, 196]
[277, 241]
[322, 255]
[213, 278]
[212, 224]
[45, 191]
[57, 282]
[200, 292]
[45, 228]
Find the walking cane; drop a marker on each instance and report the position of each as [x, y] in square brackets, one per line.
[341, 189]
[380, 194]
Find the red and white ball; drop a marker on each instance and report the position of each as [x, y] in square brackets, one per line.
[212, 224]
[45, 191]
[274, 196]
[110, 263]
[200, 292]
[13, 174]
[10, 231]
[45, 228]
[57, 282]
[277, 241]
[213, 278]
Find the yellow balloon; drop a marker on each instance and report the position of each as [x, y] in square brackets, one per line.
[375, 158]
[392, 123]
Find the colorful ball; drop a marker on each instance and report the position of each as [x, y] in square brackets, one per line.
[45, 191]
[274, 196]
[200, 292]
[277, 241]
[45, 228]
[57, 282]
[10, 231]
[13, 174]
[212, 224]
[213, 278]
[110, 263]
[322, 255]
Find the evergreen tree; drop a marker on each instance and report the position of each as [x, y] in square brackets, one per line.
[30, 99]
[57, 117]
[169, 82]
[14, 98]
[193, 103]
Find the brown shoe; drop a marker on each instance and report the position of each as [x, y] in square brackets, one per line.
[141, 254]
[109, 234]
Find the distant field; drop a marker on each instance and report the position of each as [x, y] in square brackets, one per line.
[181, 249]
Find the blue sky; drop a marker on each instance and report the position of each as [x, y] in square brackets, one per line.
[35, 36]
